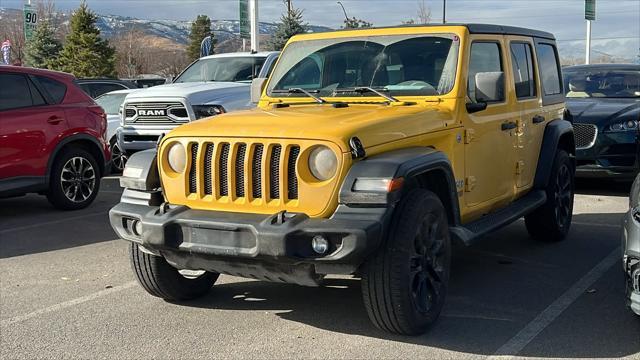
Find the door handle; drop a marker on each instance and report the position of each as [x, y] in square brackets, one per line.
[54, 120]
[508, 126]
[538, 119]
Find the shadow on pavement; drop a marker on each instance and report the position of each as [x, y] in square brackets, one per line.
[29, 224]
[603, 187]
[497, 288]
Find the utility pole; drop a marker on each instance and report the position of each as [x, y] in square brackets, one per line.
[255, 26]
[444, 11]
[588, 49]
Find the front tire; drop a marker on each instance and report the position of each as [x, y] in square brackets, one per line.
[162, 280]
[118, 157]
[75, 180]
[551, 221]
[404, 284]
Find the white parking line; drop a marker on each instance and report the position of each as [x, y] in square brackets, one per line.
[66, 304]
[40, 224]
[512, 347]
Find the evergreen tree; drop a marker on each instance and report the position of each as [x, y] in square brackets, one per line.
[84, 53]
[290, 24]
[43, 49]
[200, 29]
[353, 23]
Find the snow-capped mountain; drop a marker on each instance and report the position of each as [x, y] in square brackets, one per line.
[174, 30]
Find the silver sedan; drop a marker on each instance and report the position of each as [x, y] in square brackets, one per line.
[631, 247]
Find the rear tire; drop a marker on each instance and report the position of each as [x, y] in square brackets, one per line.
[551, 221]
[162, 280]
[404, 284]
[75, 180]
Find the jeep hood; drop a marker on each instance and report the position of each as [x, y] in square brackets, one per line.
[198, 93]
[373, 124]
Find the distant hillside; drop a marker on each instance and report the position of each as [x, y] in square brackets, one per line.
[174, 30]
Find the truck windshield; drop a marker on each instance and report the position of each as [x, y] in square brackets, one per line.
[602, 83]
[235, 69]
[398, 65]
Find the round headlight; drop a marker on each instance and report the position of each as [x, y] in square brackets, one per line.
[177, 157]
[323, 163]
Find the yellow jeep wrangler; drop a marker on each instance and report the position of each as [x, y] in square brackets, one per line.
[369, 153]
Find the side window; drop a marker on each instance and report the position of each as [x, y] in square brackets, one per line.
[548, 68]
[15, 92]
[485, 57]
[522, 63]
[103, 88]
[56, 89]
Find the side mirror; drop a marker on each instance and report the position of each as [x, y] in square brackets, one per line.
[257, 86]
[489, 86]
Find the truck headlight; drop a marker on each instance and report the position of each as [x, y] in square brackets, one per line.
[203, 111]
[177, 157]
[323, 163]
[628, 125]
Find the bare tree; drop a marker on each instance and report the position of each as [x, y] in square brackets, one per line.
[132, 58]
[12, 30]
[424, 12]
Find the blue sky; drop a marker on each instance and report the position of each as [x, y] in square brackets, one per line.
[617, 28]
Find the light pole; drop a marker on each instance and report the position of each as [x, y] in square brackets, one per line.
[444, 11]
[255, 27]
[343, 10]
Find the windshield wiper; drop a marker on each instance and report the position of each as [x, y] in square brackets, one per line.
[318, 99]
[365, 89]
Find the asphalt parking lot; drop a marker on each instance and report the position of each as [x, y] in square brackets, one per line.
[66, 290]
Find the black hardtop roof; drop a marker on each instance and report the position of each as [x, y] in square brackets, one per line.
[483, 29]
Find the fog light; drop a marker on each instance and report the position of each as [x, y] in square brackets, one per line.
[319, 244]
[137, 227]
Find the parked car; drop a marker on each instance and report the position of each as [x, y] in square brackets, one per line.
[98, 87]
[369, 153]
[604, 103]
[211, 85]
[112, 104]
[149, 82]
[631, 248]
[52, 138]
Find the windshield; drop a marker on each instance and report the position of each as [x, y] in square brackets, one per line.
[111, 102]
[399, 64]
[602, 83]
[236, 69]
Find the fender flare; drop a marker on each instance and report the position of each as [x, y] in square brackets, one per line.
[84, 137]
[554, 131]
[408, 163]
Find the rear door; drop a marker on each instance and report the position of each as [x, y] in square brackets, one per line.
[531, 120]
[29, 124]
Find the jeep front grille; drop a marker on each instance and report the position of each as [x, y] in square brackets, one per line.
[155, 113]
[241, 169]
[585, 135]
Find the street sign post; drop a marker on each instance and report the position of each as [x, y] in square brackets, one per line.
[30, 22]
[589, 15]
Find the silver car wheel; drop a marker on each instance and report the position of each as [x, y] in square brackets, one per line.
[78, 179]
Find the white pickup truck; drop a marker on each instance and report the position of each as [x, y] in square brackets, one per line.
[209, 86]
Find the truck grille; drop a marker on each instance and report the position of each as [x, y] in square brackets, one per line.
[585, 135]
[161, 113]
[238, 169]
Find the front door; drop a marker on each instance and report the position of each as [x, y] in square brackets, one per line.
[489, 150]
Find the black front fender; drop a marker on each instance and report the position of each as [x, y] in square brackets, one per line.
[553, 133]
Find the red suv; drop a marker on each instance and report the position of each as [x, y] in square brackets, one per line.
[52, 138]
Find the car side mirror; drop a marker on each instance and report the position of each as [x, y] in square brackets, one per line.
[257, 86]
[489, 86]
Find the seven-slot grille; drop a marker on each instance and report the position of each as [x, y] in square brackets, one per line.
[585, 135]
[161, 113]
[242, 170]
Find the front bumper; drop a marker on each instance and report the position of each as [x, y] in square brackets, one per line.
[275, 247]
[613, 155]
[131, 139]
[631, 262]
